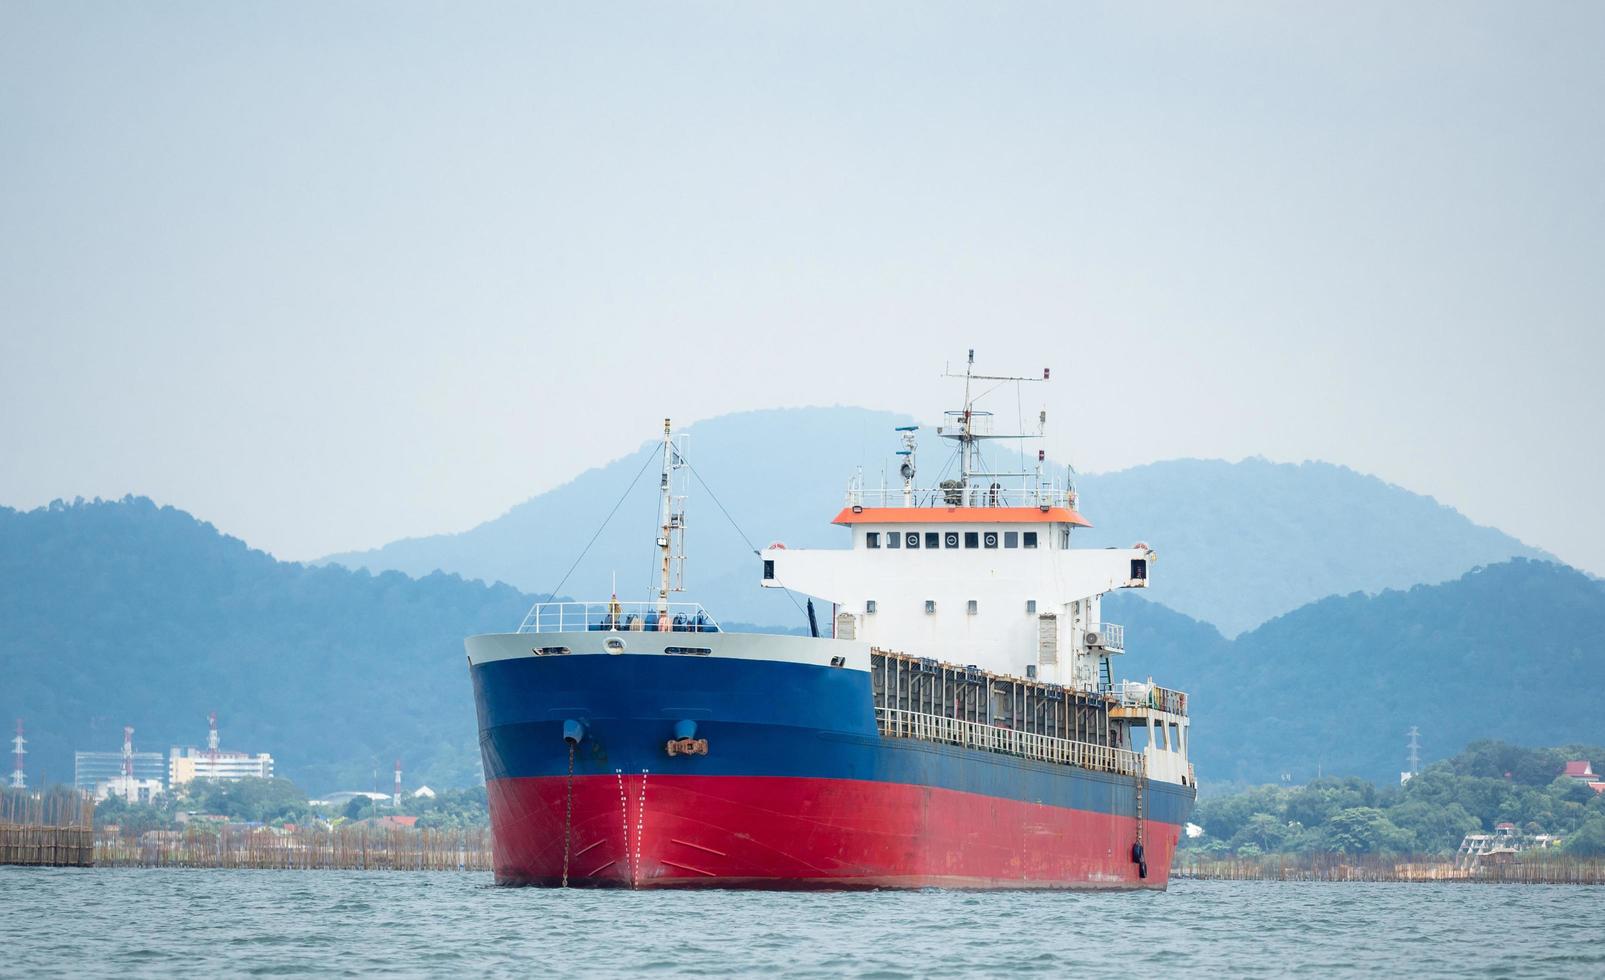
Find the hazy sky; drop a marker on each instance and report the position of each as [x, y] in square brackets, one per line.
[327, 275]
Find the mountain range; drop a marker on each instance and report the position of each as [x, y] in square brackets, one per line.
[1239, 543]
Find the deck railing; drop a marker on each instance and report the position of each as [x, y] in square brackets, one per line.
[975, 496]
[897, 723]
[1136, 694]
[617, 616]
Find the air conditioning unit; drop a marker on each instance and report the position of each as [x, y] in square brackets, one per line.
[1094, 639]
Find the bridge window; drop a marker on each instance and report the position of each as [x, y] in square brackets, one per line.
[768, 569]
[933, 539]
[971, 607]
[990, 539]
[930, 607]
[1011, 539]
[1175, 737]
[872, 539]
[1030, 607]
[913, 539]
[950, 539]
[972, 539]
[893, 539]
[869, 607]
[1139, 569]
[1028, 539]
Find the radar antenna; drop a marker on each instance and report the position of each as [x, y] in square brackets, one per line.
[970, 427]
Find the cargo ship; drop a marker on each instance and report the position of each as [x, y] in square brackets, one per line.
[956, 722]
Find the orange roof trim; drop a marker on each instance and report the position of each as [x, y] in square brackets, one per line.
[960, 515]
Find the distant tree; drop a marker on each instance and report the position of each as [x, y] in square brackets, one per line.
[1314, 804]
[1367, 830]
[1223, 817]
[1264, 831]
[1438, 828]
[1571, 790]
[358, 808]
[257, 800]
[1589, 840]
[1501, 760]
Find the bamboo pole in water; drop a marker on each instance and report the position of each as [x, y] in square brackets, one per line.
[302, 848]
[53, 828]
[1530, 868]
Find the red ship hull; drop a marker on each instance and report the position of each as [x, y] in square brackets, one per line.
[674, 830]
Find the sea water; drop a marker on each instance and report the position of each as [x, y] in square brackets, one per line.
[134, 922]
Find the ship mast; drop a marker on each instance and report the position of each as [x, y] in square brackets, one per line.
[970, 463]
[671, 524]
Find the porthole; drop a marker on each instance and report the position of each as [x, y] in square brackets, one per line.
[613, 645]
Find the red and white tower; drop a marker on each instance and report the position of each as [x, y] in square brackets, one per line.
[19, 779]
[396, 797]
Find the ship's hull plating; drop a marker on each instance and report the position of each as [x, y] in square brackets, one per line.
[797, 790]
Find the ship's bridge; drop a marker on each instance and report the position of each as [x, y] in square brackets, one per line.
[998, 586]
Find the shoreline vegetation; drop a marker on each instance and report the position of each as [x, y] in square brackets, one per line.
[1492, 803]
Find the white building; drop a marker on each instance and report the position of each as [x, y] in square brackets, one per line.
[91, 769]
[130, 788]
[184, 765]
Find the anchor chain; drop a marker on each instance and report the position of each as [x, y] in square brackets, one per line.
[568, 816]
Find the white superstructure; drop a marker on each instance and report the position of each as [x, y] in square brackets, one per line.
[981, 570]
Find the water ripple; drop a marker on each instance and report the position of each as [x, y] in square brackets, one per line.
[160, 922]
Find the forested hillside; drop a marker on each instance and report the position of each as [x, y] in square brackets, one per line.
[1514, 651]
[126, 613]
